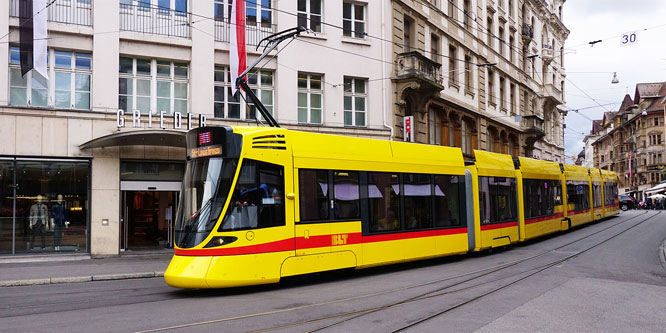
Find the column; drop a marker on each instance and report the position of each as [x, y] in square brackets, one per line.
[203, 60]
[106, 17]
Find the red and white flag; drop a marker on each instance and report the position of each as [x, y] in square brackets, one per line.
[237, 56]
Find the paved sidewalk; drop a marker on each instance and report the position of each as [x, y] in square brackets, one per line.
[32, 270]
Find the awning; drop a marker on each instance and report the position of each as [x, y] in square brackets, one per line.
[132, 138]
[656, 189]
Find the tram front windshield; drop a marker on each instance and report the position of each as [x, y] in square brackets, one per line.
[205, 189]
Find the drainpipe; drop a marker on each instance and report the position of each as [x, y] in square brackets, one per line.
[383, 48]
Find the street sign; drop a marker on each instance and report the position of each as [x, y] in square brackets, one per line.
[628, 38]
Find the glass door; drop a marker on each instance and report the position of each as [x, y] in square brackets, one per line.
[147, 221]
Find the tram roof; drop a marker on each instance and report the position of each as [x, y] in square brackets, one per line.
[537, 169]
[337, 151]
[576, 172]
[494, 164]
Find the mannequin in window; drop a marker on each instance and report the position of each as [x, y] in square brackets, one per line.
[59, 215]
[39, 214]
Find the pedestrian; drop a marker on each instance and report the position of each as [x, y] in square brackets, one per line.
[648, 201]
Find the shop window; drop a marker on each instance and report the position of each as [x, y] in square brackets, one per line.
[70, 88]
[51, 206]
[258, 198]
[139, 76]
[497, 200]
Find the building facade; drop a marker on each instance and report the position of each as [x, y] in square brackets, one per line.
[630, 140]
[481, 74]
[93, 155]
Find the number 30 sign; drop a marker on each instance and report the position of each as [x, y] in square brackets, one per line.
[628, 38]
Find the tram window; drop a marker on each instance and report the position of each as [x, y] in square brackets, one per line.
[596, 194]
[257, 200]
[313, 194]
[578, 194]
[447, 200]
[497, 199]
[383, 196]
[540, 197]
[418, 200]
[346, 193]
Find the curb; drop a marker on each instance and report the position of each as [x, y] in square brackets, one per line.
[79, 279]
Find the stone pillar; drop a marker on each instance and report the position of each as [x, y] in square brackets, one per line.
[104, 90]
[203, 59]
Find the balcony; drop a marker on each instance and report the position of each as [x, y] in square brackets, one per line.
[254, 32]
[533, 124]
[415, 66]
[77, 12]
[152, 20]
[552, 92]
[527, 32]
[547, 54]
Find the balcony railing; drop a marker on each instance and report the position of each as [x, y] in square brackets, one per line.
[63, 11]
[253, 33]
[415, 65]
[153, 20]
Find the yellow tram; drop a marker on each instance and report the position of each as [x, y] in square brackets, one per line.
[259, 204]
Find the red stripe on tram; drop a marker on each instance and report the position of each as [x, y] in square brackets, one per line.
[544, 218]
[499, 225]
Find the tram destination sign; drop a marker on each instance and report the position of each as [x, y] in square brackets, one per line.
[207, 151]
[180, 121]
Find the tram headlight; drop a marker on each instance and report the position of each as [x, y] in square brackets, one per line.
[220, 240]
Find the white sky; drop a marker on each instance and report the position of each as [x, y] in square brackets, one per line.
[645, 61]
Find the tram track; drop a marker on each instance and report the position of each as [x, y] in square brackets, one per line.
[440, 291]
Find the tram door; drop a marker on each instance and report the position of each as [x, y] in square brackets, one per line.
[147, 218]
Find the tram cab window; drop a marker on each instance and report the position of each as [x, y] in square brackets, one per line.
[497, 200]
[447, 200]
[383, 195]
[258, 198]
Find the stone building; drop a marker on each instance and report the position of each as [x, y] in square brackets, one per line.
[363, 65]
[631, 140]
[481, 74]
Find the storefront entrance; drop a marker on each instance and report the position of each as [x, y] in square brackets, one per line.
[147, 221]
[149, 201]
